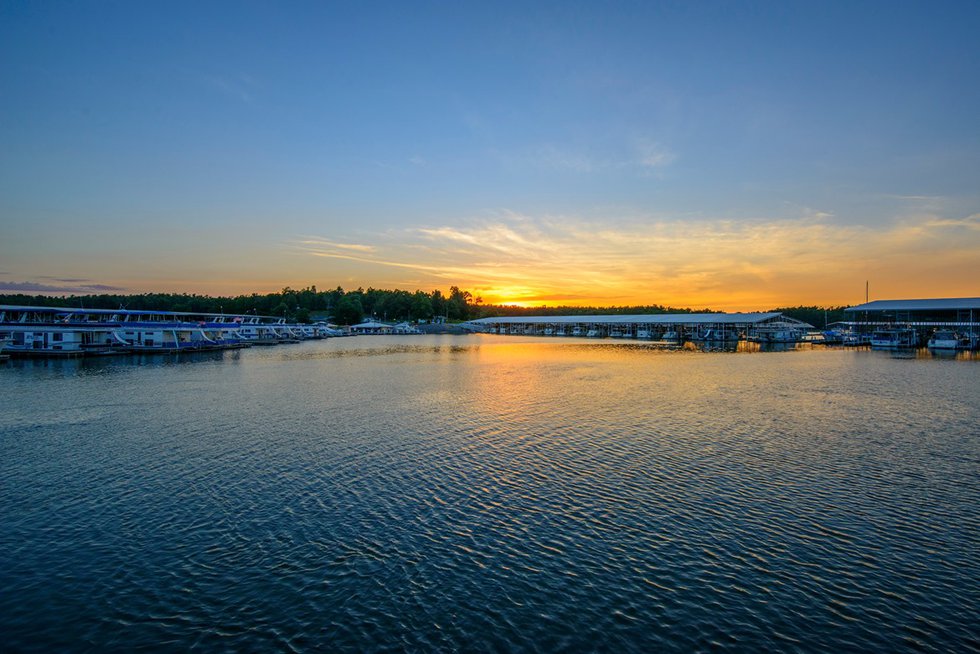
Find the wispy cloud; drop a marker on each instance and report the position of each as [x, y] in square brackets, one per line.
[550, 156]
[316, 241]
[970, 222]
[920, 203]
[805, 257]
[651, 154]
[641, 157]
[918, 198]
[64, 280]
[239, 86]
[36, 287]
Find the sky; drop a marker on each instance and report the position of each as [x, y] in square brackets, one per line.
[731, 155]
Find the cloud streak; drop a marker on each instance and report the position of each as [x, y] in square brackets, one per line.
[36, 287]
[239, 86]
[316, 241]
[719, 263]
[63, 280]
[641, 158]
[654, 155]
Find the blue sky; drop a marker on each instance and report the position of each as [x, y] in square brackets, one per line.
[733, 154]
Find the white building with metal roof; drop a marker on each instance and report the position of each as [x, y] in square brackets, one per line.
[371, 327]
[941, 312]
[925, 316]
[674, 326]
[938, 304]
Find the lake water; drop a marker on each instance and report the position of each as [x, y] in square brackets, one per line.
[484, 493]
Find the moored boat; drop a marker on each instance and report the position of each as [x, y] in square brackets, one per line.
[164, 339]
[948, 340]
[833, 336]
[405, 328]
[36, 340]
[776, 335]
[255, 333]
[716, 335]
[895, 338]
[854, 339]
[813, 337]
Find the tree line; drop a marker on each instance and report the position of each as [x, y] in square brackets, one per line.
[351, 307]
[302, 305]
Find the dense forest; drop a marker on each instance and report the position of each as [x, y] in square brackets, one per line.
[351, 307]
[304, 305]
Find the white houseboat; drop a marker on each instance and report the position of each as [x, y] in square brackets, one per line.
[163, 338]
[57, 341]
[948, 340]
[894, 338]
[716, 335]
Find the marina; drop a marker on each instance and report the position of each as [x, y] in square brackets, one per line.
[949, 323]
[503, 328]
[911, 323]
[64, 332]
[673, 328]
[25, 331]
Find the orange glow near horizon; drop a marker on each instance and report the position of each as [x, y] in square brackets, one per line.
[721, 265]
[526, 262]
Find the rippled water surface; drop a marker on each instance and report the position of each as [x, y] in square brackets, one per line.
[491, 494]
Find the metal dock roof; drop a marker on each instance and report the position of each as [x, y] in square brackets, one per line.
[653, 319]
[122, 312]
[940, 304]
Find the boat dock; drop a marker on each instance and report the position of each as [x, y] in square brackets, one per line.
[951, 323]
[771, 327]
[62, 332]
[910, 323]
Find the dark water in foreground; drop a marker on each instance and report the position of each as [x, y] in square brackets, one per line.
[491, 494]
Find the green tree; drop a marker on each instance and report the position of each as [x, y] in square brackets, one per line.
[438, 303]
[421, 306]
[458, 304]
[348, 311]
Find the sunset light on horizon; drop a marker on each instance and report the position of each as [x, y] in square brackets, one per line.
[725, 156]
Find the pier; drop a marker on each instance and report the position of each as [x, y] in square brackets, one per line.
[68, 332]
[668, 327]
[923, 317]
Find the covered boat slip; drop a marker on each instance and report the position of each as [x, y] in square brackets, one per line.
[39, 340]
[668, 327]
[64, 331]
[956, 319]
[74, 315]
